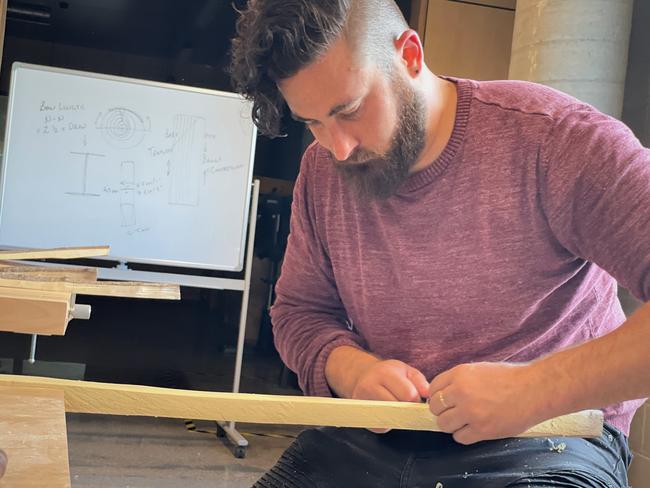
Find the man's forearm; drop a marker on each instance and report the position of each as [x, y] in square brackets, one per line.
[607, 370]
[344, 366]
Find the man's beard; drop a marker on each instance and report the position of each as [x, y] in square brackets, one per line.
[377, 176]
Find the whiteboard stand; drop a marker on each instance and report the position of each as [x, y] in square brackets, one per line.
[32, 349]
[239, 442]
[123, 272]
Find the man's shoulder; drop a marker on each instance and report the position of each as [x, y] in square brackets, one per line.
[525, 97]
[318, 175]
[315, 152]
[316, 161]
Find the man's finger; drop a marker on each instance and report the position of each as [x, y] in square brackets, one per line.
[440, 382]
[450, 421]
[466, 435]
[402, 388]
[440, 401]
[419, 381]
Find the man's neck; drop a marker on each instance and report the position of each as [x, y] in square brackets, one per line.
[440, 99]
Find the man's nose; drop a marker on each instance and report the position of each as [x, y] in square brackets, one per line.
[342, 143]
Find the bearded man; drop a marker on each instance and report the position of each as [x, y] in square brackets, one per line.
[451, 240]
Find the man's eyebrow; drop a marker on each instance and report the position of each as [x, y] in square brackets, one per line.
[298, 118]
[339, 108]
[344, 106]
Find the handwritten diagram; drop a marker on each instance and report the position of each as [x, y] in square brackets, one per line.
[182, 151]
[84, 178]
[186, 161]
[122, 128]
[127, 193]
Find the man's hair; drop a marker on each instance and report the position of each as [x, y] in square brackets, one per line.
[277, 38]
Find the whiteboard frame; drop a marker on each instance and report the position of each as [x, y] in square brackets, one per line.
[123, 79]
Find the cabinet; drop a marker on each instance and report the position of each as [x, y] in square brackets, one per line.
[467, 39]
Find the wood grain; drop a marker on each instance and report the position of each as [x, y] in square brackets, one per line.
[125, 289]
[34, 311]
[106, 398]
[33, 434]
[56, 253]
[12, 270]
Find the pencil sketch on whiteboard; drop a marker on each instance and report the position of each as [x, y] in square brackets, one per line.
[127, 193]
[83, 191]
[122, 128]
[185, 171]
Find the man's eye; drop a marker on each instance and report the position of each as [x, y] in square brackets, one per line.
[351, 115]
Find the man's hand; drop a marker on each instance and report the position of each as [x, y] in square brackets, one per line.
[482, 401]
[353, 373]
[391, 380]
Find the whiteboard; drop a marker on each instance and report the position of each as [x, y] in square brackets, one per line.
[160, 173]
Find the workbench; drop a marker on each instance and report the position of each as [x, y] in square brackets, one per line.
[33, 434]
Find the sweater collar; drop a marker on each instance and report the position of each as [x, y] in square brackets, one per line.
[438, 167]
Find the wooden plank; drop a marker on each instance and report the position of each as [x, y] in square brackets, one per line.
[33, 434]
[34, 311]
[106, 398]
[56, 253]
[126, 289]
[43, 273]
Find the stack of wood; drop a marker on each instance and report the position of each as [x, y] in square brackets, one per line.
[39, 298]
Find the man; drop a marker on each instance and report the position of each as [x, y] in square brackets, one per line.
[451, 240]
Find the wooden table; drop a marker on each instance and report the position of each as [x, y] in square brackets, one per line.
[33, 434]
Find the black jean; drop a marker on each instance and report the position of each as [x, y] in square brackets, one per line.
[356, 458]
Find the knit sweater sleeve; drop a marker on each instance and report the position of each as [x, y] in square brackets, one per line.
[596, 194]
[308, 318]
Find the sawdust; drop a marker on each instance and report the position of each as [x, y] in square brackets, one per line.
[559, 448]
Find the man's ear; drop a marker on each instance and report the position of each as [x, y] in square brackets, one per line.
[410, 51]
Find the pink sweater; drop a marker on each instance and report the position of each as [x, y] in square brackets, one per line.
[507, 247]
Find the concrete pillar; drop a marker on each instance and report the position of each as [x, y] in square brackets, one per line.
[577, 46]
[636, 106]
[636, 114]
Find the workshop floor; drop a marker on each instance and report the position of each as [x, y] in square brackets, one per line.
[142, 452]
[134, 452]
